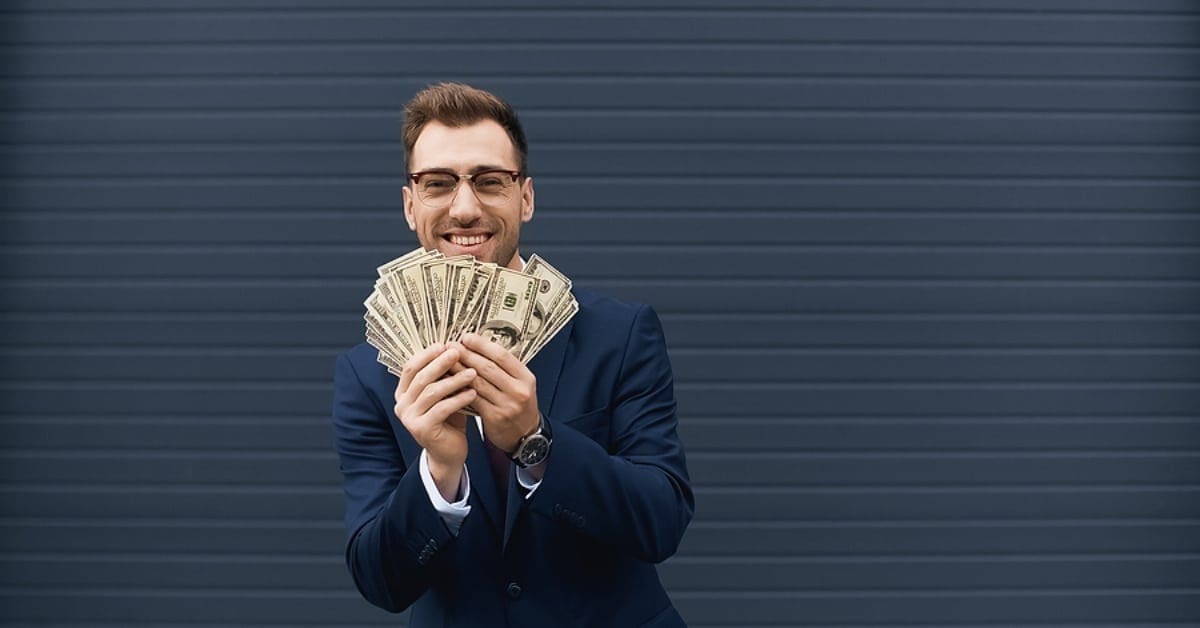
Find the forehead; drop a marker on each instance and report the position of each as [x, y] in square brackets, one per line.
[484, 143]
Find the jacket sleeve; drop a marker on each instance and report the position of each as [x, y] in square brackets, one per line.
[396, 538]
[635, 495]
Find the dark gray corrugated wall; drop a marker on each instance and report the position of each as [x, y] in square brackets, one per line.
[928, 269]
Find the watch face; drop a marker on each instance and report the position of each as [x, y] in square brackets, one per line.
[534, 451]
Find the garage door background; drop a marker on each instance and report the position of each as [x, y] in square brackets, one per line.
[928, 270]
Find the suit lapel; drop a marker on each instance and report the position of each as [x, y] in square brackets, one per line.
[547, 367]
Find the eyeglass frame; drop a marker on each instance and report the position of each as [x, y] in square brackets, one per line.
[415, 177]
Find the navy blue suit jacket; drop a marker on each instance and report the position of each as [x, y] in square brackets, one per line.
[581, 550]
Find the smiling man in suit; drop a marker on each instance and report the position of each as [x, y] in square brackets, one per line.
[552, 505]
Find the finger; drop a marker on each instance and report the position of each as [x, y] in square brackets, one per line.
[486, 368]
[415, 364]
[487, 390]
[441, 389]
[494, 352]
[452, 405]
[434, 370]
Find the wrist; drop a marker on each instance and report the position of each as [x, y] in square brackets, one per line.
[447, 476]
[533, 448]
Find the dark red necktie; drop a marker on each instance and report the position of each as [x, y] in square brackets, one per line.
[500, 464]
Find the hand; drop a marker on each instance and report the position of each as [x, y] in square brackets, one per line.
[428, 405]
[507, 391]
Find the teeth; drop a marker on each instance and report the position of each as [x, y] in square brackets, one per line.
[461, 240]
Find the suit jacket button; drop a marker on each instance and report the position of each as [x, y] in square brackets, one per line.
[514, 590]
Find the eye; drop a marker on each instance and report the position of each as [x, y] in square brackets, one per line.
[437, 183]
[489, 181]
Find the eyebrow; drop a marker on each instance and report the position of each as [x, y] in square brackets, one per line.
[473, 170]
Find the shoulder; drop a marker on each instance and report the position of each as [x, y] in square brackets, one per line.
[597, 307]
[361, 363]
[605, 319]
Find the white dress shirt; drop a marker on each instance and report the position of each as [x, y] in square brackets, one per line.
[453, 513]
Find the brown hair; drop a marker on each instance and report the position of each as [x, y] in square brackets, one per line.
[457, 105]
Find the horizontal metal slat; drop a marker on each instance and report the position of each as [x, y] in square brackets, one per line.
[749, 469]
[83, 536]
[930, 94]
[381, 235]
[730, 365]
[1041, 7]
[751, 574]
[715, 296]
[665, 262]
[602, 58]
[567, 194]
[677, 25]
[131, 606]
[732, 434]
[344, 608]
[339, 331]
[703, 162]
[825, 400]
[382, 126]
[714, 504]
[703, 538]
[1022, 607]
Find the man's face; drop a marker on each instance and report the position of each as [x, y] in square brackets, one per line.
[489, 232]
[505, 337]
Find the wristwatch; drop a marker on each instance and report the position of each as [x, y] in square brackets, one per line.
[534, 447]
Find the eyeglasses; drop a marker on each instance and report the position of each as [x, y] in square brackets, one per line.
[437, 189]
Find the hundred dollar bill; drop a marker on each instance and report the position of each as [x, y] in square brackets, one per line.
[381, 319]
[552, 286]
[403, 260]
[387, 298]
[410, 282]
[565, 313]
[423, 298]
[394, 289]
[475, 299]
[509, 307]
[463, 280]
[434, 276]
[394, 366]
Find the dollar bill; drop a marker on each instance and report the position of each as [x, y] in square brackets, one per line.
[509, 308]
[421, 298]
[552, 287]
[566, 313]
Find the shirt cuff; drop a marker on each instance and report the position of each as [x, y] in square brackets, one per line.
[452, 513]
[527, 481]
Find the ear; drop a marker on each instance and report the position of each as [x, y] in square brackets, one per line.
[408, 209]
[527, 200]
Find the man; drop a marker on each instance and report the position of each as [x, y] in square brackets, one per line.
[551, 506]
[501, 332]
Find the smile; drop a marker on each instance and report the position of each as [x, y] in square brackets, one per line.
[467, 240]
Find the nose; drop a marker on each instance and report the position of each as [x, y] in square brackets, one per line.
[464, 207]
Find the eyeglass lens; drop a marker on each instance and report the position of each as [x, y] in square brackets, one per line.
[437, 188]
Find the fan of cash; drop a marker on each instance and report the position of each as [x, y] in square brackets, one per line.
[423, 298]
